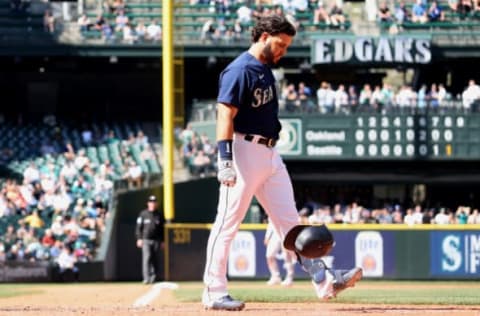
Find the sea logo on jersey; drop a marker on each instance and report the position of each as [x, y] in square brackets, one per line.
[262, 96]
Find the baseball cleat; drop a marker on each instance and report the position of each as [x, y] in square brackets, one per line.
[226, 303]
[337, 281]
[287, 282]
[274, 280]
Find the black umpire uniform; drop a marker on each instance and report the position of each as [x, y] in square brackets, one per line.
[149, 234]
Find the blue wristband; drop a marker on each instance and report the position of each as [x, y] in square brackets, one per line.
[225, 149]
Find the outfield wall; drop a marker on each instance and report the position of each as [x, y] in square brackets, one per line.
[383, 251]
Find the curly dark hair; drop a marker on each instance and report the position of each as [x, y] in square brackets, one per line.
[272, 24]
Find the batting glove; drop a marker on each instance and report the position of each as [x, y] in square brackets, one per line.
[226, 173]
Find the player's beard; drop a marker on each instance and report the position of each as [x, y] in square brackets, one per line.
[268, 55]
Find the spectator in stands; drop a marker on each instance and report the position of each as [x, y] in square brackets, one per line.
[154, 32]
[442, 217]
[108, 33]
[84, 23]
[435, 13]
[432, 97]
[48, 240]
[320, 15]
[141, 31]
[377, 99]
[208, 31]
[337, 17]
[341, 98]
[474, 217]
[49, 21]
[222, 7]
[201, 164]
[464, 7]
[419, 12]
[322, 92]
[461, 214]
[305, 98]
[31, 174]
[422, 97]
[10, 236]
[141, 138]
[135, 174]
[443, 95]
[207, 147]
[33, 220]
[384, 14]
[129, 36]
[99, 22]
[291, 96]
[401, 13]
[405, 98]
[117, 7]
[244, 15]
[67, 262]
[365, 98]
[352, 98]
[3, 256]
[120, 21]
[471, 96]
[57, 227]
[237, 30]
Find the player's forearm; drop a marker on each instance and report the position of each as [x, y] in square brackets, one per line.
[225, 115]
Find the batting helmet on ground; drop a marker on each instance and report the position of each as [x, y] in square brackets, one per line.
[309, 241]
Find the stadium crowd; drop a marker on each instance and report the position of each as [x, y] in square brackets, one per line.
[230, 22]
[57, 203]
[198, 152]
[227, 21]
[379, 99]
[355, 213]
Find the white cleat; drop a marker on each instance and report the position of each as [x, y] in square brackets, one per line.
[274, 280]
[287, 282]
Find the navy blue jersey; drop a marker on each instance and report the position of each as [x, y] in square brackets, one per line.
[249, 85]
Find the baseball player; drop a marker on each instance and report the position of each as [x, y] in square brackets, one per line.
[274, 245]
[248, 165]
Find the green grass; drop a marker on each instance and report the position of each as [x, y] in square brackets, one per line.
[10, 290]
[367, 292]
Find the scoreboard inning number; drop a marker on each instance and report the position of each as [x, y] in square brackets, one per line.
[411, 135]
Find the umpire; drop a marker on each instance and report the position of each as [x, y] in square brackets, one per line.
[149, 234]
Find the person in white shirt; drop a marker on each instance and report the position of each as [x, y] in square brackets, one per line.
[154, 31]
[471, 94]
[67, 262]
[31, 173]
[409, 219]
[442, 218]
[244, 15]
[341, 98]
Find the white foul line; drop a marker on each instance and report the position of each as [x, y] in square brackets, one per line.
[154, 292]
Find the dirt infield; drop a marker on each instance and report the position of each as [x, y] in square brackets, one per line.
[118, 299]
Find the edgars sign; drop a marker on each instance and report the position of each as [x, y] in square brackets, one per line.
[410, 50]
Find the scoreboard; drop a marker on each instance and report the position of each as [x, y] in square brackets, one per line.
[376, 136]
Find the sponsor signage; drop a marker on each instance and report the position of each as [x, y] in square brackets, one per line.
[455, 253]
[290, 140]
[398, 49]
[369, 253]
[18, 271]
[242, 259]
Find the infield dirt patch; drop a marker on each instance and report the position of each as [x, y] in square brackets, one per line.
[118, 299]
